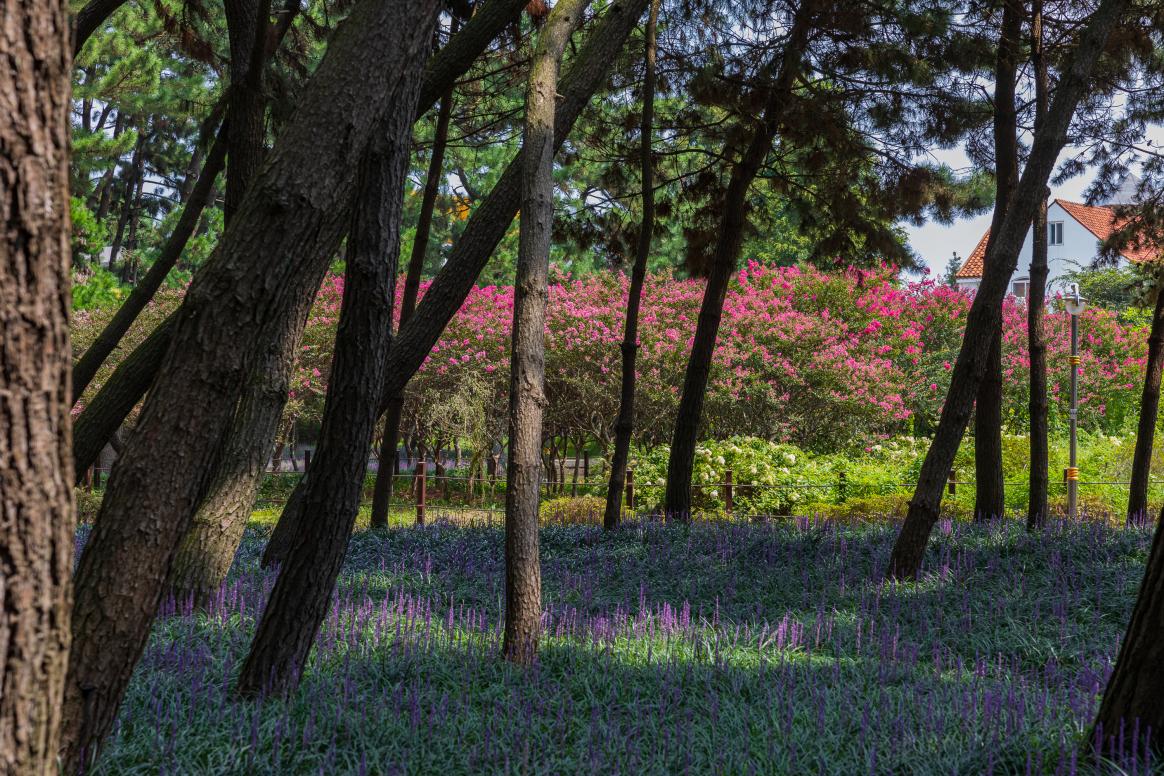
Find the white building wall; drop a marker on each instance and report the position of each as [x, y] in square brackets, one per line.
[1079, 249]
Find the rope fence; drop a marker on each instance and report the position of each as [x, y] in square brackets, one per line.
[481, 496]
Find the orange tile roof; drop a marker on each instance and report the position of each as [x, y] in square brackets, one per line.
[972, 267]
[1100, 220]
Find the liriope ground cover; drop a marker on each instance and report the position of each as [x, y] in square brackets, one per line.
[715, 648]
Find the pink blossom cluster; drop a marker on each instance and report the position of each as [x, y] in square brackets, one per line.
[824, 360]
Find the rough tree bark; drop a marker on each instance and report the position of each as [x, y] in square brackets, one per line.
[624, 425]
[207, 550]
[36, 496]
[787, 67]
[1132, 701]
[246, 27]
[390, 434]
[989, 489]
[985, 314]
[107, 341]
[1149, 409]
[133, 377]
[527, 383]
[486, 227]
[299, 600]
[274, 254]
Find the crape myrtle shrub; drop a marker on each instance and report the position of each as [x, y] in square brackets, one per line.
[826, 361]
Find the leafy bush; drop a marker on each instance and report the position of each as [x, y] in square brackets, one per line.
[577, 510]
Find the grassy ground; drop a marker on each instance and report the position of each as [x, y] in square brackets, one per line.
[719, 648]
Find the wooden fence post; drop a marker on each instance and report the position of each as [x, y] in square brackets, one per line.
[727, 492]
[630, 489]
[420, 491]
[953, 483]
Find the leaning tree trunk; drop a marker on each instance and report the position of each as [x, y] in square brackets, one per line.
[300, 598]
[527, 384]
[130, 183]
[129, 382]
[1133, 701]
[272, 256]
[1037, 508]
[207, 550]
[390, 435]
[681, 463]
[624, 426]
[986, 311]
[36, 497]
[989, 488]
[1149, 408]
[488, 224]
[110, 337]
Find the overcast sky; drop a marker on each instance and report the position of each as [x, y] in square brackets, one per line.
[934, 242]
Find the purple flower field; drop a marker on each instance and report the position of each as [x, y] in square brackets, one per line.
[718, 648]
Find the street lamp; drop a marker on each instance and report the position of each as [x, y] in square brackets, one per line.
[1075, 306]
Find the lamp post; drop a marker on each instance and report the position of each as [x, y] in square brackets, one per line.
[1075, 306]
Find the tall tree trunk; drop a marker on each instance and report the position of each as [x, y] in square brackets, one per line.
[989, 490]
[487, 225]
[1149, 408]
[246, 26]
[681, 462]
[390, 434]
[110, 337]
[527, 384]
[1037, 508]
[1036, 304]
[134, 376]
[299, 600]
[625, 424]
[272, 257]
[985, 314]
[36, 495]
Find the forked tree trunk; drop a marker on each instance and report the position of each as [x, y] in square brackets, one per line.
[130, 182]
[1037, 506]
[625, 424]
[36, 495]
[272, 257]
[300, 598]
[390, 435]
[527, 385]
[989, 488]
[1149, 408]
[491, 219]
[130, 381]
[986, 311]
[680, 464]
